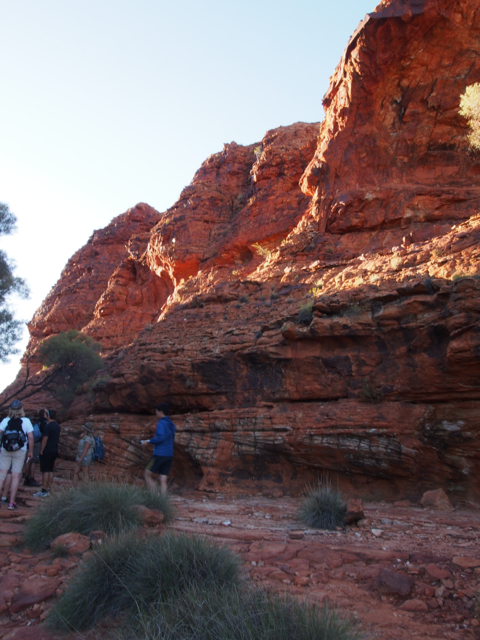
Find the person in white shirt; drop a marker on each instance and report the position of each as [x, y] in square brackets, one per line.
[16, 431]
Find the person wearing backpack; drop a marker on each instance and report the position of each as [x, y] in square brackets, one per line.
[48, 454]
[86, 446]
[16, 431]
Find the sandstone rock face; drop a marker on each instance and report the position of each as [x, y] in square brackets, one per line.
[392, 150]
[82, 295]
[297, 332]
[239, 197]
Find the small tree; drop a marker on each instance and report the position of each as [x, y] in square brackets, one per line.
[71, 358]
[470, 109]
[10, 328]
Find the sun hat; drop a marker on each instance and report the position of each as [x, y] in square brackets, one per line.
[88, 426]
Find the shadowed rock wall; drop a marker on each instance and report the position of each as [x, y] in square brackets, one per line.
[375, 382]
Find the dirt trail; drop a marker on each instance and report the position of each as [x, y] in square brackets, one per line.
[406, 573]
[439, 551]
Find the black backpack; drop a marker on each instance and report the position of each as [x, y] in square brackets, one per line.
[13, 437]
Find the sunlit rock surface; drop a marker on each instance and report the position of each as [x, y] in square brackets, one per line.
[370, 223]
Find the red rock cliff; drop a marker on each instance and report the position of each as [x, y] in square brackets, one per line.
[376, 381]
[392, 150]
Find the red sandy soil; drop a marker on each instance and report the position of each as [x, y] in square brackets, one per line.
[438, 550]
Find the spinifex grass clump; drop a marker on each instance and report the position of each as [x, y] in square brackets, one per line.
[305, 315]
[129, 575]
[105, 506]
[237, 614]
[323, 508]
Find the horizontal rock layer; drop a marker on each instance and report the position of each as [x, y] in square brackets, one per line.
[297, 332]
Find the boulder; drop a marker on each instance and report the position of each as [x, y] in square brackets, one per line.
[417, 606]
[435, 572]
[34, 632]
[436, 499]
[75, 543]
[354, 511]
[150, 517]
[393, 582]
[33, 590]
[466, 562]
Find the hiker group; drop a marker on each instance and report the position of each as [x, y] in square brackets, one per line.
[24, 444]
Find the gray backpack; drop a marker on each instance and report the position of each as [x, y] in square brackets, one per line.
[13, 437]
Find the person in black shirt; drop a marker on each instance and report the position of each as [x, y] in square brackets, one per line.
[48, 454]
[30, 466]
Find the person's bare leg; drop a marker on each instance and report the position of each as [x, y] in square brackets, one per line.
[28, 466]
[150, 480]
[14, 487]
[4, 489]
[163, 484]
[32, 470]
[7, 485]
[47, 479]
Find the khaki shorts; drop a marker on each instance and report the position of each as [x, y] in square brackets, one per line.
[85, 462]
[14, 458]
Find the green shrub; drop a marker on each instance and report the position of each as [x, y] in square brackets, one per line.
[258, 151]
[470, 109]
[369, 393]
[261, 251]
[323, 508]
[238, 614]
[305, 315]
[70, 359]
[105, 506]
[354, 309]
[129, 575]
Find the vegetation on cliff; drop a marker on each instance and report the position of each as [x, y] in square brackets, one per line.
[69, 360]
[470, 109]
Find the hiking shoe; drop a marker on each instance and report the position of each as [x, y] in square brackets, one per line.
[41, 494]
[33, 483]
[4, 500]
[12, 506]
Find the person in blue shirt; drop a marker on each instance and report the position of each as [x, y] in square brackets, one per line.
[161, 462]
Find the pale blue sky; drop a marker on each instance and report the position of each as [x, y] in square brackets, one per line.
[109, 103]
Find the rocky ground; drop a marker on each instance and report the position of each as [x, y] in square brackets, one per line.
[405, 572]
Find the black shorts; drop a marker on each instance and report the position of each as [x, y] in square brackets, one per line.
[47, 460]
[160, 465]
